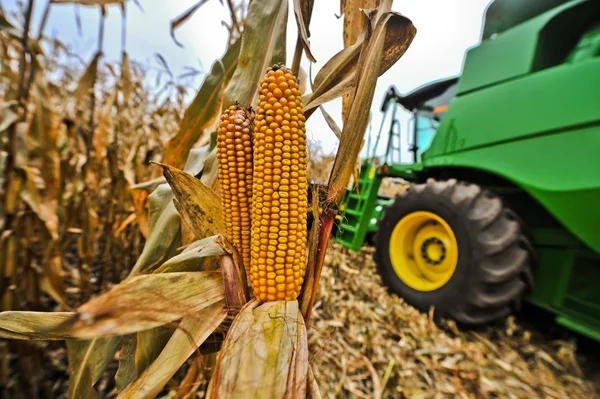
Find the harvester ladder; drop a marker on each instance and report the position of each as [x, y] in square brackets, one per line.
[357, 207]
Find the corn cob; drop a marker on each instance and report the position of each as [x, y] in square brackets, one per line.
[279, 200]
[234, 154]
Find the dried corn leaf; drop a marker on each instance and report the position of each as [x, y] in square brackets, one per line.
[204, 109]
[17, 34]
[89, 3]
[150, 344]
[33, 325]
[105, 126]
[3, 159]
[263, 44]
[302, 11]
[193, 258]
[331, 123]
[126, 78]
[164, 232]
[143, 302]
[127, 372]
[87, 361]
[43, 147]
[190, 334]
[184, 17]
[353, 27]
[264, 355]
[197, 203]
[370, 65]
[338, 76]
[87, 81]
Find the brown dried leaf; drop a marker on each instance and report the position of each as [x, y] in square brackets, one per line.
[184, 17]
[302, 11]
[143, 302]
[105, 126]
[198, 204]
[127, 372]
[371, 64]
[190, 334]
[338, 76]
[33, 325]
[331, 123]
[126, 78]
[87, 81]
[353, 27]
[90, 3]
[87, 361]
[194, 257]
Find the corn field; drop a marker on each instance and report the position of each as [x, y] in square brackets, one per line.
[152, 247]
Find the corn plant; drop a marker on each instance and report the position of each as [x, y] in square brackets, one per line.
[204, 284]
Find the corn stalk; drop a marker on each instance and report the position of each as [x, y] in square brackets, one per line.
[187, 294]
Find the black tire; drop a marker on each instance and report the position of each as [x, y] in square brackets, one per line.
[495, 257]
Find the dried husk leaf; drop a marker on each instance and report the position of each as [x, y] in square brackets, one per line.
[302, 11]
[33, 325]
[370, 62]
[353, 27]
[147, 301]
[235, 284]
[265, 354]
[195, 256]
[190, 334]
[197, 203]
[338, 76]
[87, 361]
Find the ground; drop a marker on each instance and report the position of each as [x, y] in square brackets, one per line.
[365, 342]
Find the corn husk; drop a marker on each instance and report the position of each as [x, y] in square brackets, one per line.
[265, 354]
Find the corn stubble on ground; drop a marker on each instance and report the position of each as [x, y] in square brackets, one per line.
[234, 151]
[279, 201]
[364, 340]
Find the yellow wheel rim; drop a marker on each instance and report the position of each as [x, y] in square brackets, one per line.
[423, 251]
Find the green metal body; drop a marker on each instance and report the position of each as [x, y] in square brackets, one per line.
[524, 122]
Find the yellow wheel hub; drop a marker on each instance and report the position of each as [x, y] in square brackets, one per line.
[423, 251]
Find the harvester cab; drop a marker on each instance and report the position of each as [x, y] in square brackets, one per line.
[502, 173]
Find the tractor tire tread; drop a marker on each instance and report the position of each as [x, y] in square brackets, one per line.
[501, 257]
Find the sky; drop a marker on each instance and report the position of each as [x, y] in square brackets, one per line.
[445, 30]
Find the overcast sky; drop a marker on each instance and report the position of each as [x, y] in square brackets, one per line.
[445, 30]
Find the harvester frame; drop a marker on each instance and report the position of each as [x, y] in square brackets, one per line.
[502, 203]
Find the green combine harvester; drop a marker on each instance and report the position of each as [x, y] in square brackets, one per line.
[504, 195]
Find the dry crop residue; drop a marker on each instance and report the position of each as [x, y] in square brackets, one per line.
[365, 341]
